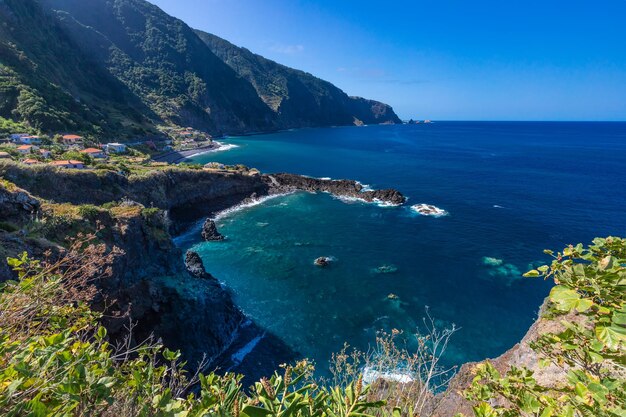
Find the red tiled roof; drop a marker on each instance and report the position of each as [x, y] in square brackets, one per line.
[91, 150]
[24, 147]
[30, 161]
[66, 162]
[72, 137]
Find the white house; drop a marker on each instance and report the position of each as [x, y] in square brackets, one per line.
[45, 153]
[72, 140]
[114, 147]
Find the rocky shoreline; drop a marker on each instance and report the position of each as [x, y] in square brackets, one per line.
[286, 183]
[170, 295]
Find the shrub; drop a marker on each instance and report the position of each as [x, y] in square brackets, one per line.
[9, 227]
[405, 373]
[90, 212]
[56, 360]
[591, 285]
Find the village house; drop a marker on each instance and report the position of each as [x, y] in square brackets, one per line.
[15, 137]
[28, 140]
[94, 152]
[71, 164]
[26, 149]
[45, 153]
[30, 161]
[5, 155]
[114, 147]
[72, 140]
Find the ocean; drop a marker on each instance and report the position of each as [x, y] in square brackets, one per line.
[509, 189]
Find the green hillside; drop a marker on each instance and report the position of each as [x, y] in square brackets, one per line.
[121, 67]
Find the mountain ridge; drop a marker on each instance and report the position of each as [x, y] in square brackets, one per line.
[275, 83]
[124, 67]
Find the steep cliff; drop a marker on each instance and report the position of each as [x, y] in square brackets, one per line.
[298, 98]
[164, 188]
[120, 67]
[520, 355]
[48, 83]
[148, 286]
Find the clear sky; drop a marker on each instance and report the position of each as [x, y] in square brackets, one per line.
[442, 59]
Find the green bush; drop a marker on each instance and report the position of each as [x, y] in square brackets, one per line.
[591, 350]
[55, 360]
[90, 212]
[8, 227]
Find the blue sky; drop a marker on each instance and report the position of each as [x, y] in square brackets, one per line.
[442, 59]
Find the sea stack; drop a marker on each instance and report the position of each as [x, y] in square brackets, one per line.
[195, 266]
[209, 231]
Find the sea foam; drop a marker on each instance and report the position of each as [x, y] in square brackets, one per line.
[429, 210]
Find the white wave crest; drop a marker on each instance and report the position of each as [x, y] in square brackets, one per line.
[240, 355]
[248, 204]
[221, 147]
[429, 210]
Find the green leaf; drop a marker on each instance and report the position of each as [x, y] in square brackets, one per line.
[619, 318]
[584, 305]
[102, 332]
[533, 273]
[253, 411]
[611, 336]
[564, 298]
[595, 357]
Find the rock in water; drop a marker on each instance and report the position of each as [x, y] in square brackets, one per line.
[195, 267]
[209, 231]
[322, 261]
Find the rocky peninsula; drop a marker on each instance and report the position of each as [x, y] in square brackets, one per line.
[153, 284]
[286, 183]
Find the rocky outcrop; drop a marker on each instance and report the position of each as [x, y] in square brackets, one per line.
[194, 265]
[187, 309]
[162, 188]
[210, 232]
[520, 355]
[283, 183]
[180, 303]
[16, 204]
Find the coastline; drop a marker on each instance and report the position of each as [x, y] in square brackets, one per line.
[176, 157]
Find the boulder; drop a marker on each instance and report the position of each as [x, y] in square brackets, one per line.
[195, 267]
[322, 261]
[209, 231]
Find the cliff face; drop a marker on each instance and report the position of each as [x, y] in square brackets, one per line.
[149, 284]
[120, 67]
[520, 355]
[165, 188]
[49, 84]
[298, 98]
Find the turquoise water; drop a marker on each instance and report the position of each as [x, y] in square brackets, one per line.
[511, 190]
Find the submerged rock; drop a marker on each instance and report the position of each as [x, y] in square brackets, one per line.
[385, 269]
[210, 232]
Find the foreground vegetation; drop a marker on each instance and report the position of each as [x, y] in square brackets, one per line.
[56, 360]
[589, 300]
